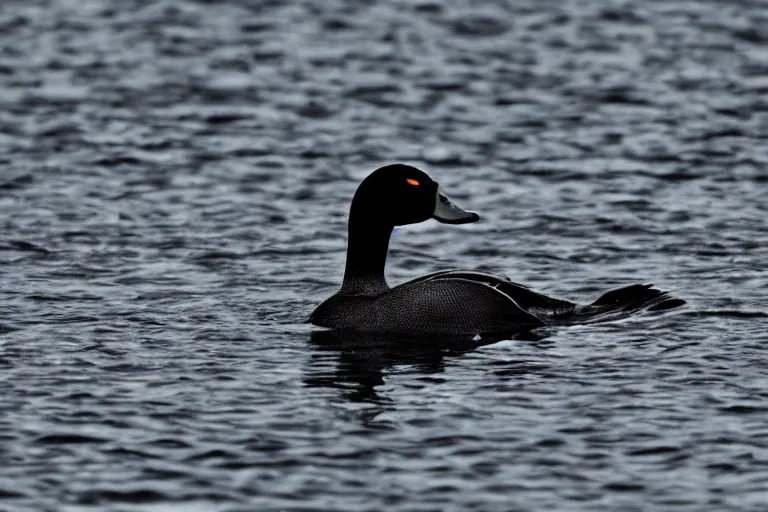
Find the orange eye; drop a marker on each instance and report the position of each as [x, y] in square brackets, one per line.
[412, 182]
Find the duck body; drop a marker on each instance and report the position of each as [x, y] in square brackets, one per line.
[438, 304]
[458, 303]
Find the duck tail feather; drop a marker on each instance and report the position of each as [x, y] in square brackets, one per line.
[625, 301]
[628, 294]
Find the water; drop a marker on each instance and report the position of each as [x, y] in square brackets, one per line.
[174, 179]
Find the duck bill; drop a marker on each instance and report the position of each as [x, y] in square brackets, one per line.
[449, 213]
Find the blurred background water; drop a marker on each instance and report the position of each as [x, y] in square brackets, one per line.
[174, 181]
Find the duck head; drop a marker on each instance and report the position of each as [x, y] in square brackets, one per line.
[400, 194]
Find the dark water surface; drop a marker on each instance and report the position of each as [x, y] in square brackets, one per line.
[174, 180]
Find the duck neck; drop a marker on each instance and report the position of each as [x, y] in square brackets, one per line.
[367, 247]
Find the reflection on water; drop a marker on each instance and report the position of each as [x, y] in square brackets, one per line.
[363, 358]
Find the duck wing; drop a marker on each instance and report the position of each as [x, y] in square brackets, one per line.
[531, 301]
[455, 304]
[612, 305]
